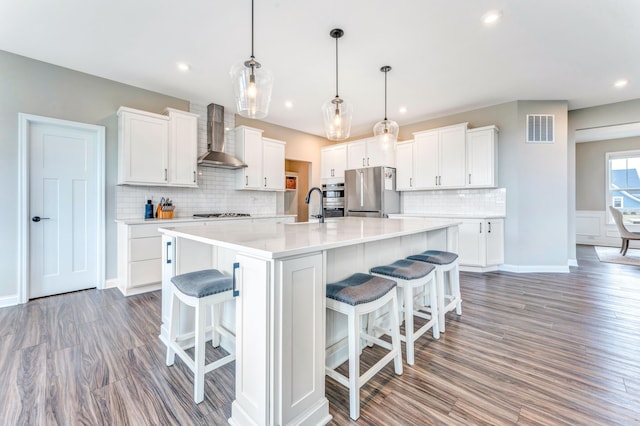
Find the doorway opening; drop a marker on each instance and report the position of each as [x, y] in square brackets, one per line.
[294, 198]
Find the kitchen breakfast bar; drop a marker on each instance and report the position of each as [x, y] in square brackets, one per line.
[284, 336]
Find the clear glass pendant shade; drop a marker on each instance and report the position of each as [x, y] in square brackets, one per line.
[337, 115]
[252, 85]
[386, 131]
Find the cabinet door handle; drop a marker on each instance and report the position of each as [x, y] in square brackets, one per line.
[194, 176]
[367, 161]
[469, 178]
[436, 180]
[246, 180]
[236, 292]
[439, 180]
[168, 252]
[489, 227]
[481, 227]
[265, 182]
[165, 174]
[362, 161]
[410, 182]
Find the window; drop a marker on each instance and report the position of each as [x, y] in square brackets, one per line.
[623, 183]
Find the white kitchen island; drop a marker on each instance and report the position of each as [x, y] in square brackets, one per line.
[283, 334]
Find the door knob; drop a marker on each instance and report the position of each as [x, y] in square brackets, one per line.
[38, 218]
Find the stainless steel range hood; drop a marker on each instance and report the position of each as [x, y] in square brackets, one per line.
[215, 155]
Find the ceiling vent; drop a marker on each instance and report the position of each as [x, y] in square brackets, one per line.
[540, 128]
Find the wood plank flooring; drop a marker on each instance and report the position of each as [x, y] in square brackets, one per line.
[530, 349]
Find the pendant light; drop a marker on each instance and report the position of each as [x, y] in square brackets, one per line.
[336, 111]
[252, 85]
[386, 130]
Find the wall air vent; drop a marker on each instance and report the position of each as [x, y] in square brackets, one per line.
[540, 128]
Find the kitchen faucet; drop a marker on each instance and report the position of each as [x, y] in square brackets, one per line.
[321, 215]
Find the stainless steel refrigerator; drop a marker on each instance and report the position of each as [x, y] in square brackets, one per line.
[371, 192]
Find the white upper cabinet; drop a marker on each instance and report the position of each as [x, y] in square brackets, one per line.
[482, 154]
[370, 152]
[333, 162]
[404, 171]
[442, 156]
[143, 144]
[357, 154]
[264, 158]
[155, 149]
[273, 164]
[183, 147]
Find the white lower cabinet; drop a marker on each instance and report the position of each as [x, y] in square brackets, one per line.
[481, 243]
[140, 251]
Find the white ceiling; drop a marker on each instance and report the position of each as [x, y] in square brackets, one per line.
[444, 59]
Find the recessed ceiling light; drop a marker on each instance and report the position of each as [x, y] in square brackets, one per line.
[491, 17]
[402, 110]
[288, 104]
[621, 83]
[183, 66]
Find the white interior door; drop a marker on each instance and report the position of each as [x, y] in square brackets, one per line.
[64, 206]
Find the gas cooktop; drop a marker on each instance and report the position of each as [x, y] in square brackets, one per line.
[221, 215]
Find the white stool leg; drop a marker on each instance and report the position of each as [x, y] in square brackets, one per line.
[174, 315]
[440, 296]
[455, 284]
[435, 313]
[354, 364]
[200, 348]
[215, 321]
[395, 335]
[408, 323]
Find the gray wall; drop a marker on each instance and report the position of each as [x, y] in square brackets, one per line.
[535, 178]
[591, 170]
[39, 88]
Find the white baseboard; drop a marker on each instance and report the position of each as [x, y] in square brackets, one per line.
[8, 301]
[479, 268]
[529, 269]
[113, 282]
[572, 262]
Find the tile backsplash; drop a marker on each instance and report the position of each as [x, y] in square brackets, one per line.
[456, 202]
[216, 190]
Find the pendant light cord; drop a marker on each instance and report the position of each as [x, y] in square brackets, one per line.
[385, 95]
[252, 57]
[337, 96]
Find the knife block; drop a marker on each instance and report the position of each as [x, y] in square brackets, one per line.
[165, 212]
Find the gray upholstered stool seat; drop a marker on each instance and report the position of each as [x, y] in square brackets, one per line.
[445, 262]
[202, 290]
[359, 288]
[415, 280]
[405, 269]
[202, 283]
[363, 294]
[436, 257]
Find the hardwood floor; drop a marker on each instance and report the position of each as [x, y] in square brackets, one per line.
[528, 349]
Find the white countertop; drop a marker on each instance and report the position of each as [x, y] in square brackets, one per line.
[140, 221]
[448, 215]
[276, 240]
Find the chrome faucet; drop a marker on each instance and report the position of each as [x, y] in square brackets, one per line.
[321, 215]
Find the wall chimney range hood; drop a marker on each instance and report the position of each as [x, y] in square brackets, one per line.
[215, 155]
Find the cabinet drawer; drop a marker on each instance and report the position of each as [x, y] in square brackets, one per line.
[143, 231]
[145, 272]
[145, 248]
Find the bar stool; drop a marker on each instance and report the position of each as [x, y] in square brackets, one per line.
[361, 294]
[200, 290]
[410, 277]
[445, 262]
